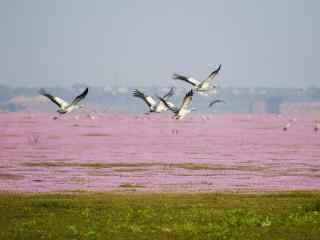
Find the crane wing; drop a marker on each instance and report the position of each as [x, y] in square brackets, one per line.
[186, 100]
[169, 94]
[58, 101]
[169, 105]
[80, 97]
[190, 80]
[210, 78]
[148, 99]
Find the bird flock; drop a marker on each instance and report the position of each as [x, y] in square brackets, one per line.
[203, 88]
[161, 104]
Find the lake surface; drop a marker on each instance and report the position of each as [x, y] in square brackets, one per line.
[155, 153]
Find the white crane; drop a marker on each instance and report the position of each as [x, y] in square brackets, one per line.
[205, 86]
[180, 113]
[65, 107]
[155, 107]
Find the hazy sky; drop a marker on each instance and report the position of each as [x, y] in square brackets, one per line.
[258, 43]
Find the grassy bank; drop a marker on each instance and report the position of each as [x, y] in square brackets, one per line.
[160, 216]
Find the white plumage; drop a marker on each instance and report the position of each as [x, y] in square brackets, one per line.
[180, 113]
[65, 107]
[205, 86]
[155, 107]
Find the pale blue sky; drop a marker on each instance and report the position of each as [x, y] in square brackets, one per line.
[98, 42]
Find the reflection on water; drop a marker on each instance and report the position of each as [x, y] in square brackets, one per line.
[156, 153]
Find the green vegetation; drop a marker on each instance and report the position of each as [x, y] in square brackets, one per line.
[216, 167]
[130, 167]
[160, 216]
[87, 165]
[97, 135]
[130, 185]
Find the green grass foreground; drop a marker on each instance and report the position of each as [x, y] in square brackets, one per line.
[160, 216]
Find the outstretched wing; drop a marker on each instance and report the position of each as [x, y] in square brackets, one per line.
[169, 105]
[80, 97]
[211, 77]
[148, 99]
[60, 102]
[215, 101]
[169, 94]
[186, 100]
[190, 80]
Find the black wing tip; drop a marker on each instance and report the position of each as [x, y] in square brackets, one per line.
[177, 76]
[218, 69]
[81, 96]
[84, 93]
[42, 91]
[137, 93]
[190, 93]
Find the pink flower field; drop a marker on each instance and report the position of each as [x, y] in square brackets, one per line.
[154, 153]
